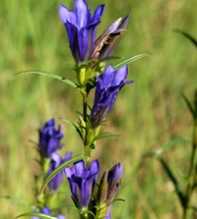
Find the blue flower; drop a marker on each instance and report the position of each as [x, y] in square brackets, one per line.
[81, 28]
[82, 180]
[55, 161]
[108, 86]
[114, 178]
[47, 211]
[49, 138]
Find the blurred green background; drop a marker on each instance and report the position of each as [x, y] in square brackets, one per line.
[147, 114]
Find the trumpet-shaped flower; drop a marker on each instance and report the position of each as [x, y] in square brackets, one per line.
[108, 86]
[49, 138]
[114, 177]
[82, 180]
[81, 28]
[57, 160]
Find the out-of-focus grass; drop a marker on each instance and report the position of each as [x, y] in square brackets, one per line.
[147, 114]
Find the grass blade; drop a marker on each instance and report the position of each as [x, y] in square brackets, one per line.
[187, 36]
[168, 171]
[189, 105]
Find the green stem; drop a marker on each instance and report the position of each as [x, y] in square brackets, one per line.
[194, 148]
[192, 173]
[184, 213]
[87, 151]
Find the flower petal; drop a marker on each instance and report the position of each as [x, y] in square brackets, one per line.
[121, 75]
[94, 167]
[79, 168]
[82, 13]
[97, 14]
[66, 15]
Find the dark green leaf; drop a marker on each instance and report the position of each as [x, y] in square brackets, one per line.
[174, 180]
[189, 105]
[119, 200]
[187, 36]
[168, 171]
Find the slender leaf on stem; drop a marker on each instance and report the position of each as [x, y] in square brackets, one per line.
[49, 75]
[106, 135]
[39, 215]
[59, 169]
[75, 126]
[131, 59]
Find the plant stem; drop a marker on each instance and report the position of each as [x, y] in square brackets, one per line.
[184, 213]
[192, 173]
[194, 148]
[87, 151]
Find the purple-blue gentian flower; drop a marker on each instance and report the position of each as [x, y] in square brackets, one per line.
[114, 178]
[47, 211]
[50, 138]
[81, 28]
[108, 86]
[82, 179]
[55, 161]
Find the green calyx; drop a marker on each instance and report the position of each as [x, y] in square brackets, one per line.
[101, 211]
[88, 72]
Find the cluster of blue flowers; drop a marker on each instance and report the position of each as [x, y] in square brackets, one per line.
[81, 177]
[91, 191]
[81, 31]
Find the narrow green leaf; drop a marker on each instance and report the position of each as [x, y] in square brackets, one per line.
[189, 105]
[49, 75]
[75, 126]
[168, 171]
[174, 180]
[119, 200]
[106, 135]
[131, 59]
[59, 169]
[39, 215]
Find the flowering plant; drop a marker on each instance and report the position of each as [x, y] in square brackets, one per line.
[92, 191]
